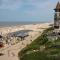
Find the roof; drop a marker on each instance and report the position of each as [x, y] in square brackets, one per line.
[58, 6]
[22, 35]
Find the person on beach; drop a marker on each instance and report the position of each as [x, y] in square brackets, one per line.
[13, 54]
[22, 43]
[8, 52]
[31, 40]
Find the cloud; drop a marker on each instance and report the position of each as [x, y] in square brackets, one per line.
[15, 4]
[26, 9]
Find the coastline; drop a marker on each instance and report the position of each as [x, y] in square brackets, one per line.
[37, 30]
[12, 28]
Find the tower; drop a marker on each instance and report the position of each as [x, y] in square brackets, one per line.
[57, 16]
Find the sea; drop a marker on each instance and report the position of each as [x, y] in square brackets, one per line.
[7, 24]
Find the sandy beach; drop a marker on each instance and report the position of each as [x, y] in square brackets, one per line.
[11, 51]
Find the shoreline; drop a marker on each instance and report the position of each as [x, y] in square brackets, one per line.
[5, 30]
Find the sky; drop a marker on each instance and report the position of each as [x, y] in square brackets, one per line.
[27, 10]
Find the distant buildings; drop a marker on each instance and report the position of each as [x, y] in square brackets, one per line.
[57, 16]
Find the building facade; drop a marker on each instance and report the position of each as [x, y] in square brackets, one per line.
[57, 16]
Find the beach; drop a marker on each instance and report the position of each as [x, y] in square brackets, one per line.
[11, 51]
